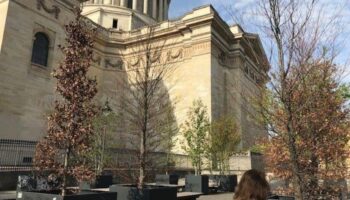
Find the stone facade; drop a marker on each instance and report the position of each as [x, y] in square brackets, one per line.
[224, 66]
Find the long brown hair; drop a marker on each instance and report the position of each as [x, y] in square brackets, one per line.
[253, 185]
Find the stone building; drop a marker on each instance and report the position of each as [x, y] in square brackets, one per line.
[222, 65]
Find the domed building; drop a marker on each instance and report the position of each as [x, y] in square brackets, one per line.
[126, 14]
[222, 65]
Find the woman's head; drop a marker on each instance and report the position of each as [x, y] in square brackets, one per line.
[253, 185]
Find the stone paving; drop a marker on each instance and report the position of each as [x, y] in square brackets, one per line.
[218, 196]
[11, 195]
[5, 195]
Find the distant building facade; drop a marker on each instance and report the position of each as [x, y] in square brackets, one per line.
[223, 66]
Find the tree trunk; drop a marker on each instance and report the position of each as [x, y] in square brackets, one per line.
[297, 180]
[144, 125]
[142, 164]
[65, 169]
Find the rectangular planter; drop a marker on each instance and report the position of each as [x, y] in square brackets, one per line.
[167, 179]
[80, 196]
[281, 197]
[103, 181]
[130, 192]
[197, 184]
[227, 183]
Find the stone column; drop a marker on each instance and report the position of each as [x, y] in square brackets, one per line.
[134, 4]
[123, 3]
[154, 9]
[166, 9]
[161, 10]
[145, 6]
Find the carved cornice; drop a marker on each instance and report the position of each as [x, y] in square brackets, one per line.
[228, 60]
[54, 10]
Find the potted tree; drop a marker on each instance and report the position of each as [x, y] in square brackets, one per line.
[224, 140]
[62, 152]
[104, 140]
[196, 134]
[170, 131]
[144, 104]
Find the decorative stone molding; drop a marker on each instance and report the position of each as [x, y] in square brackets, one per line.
[95, 27]
[54, 10]
[178, 55]
[156, 57]
[252, 74]
[118, 65]
[222, 57]
[134, 62]
[197, 49]
[227, 60]
[96, 59]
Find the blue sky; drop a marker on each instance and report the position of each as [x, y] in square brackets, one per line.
[180, 7]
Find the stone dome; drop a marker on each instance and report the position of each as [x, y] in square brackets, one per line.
[155, 9]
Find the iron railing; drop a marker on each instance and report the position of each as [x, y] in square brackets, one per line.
[18, 155]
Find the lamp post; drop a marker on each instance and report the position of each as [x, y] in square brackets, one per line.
[106, 111]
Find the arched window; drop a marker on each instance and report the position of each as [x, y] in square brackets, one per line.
[40, 50]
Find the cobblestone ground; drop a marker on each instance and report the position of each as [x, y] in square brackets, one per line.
[219, 196]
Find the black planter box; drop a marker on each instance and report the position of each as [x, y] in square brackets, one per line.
[197, 184]
[80, 196]
[226, 183]
[103, 181]
[130, 192]
[167, 179]
[85, 186]
[281, 197]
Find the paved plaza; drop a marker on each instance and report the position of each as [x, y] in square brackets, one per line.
[7, 195]
[218, 196]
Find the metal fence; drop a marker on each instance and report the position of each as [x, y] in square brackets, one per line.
[17, 155]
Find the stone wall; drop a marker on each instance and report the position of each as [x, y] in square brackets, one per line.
[192, 43]
[27, 89]
[239, 163]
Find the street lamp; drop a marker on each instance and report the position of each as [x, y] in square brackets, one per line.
[106, 111]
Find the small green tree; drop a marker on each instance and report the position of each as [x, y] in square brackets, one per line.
[196, 132]
[224, 139]
[105, 138]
